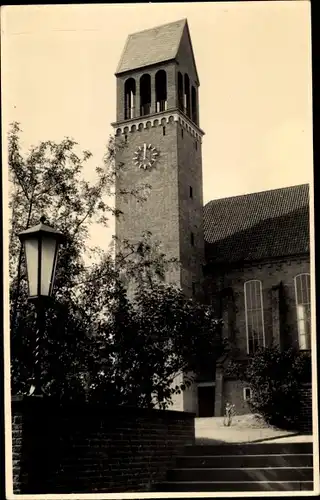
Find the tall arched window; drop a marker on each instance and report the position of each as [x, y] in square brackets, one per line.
[228, 311]
[145, 95]
[254, 315]
[129, 98]
[194, 105]
[303, 308]
[180, 91]
[161, 90]
[187, 95]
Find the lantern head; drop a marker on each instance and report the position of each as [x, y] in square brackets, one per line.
[41, 245]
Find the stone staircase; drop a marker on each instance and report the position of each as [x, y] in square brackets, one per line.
[242, 467]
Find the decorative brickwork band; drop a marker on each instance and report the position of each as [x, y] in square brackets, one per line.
[159, 119]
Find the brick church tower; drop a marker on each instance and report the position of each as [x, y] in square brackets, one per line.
[158, 119]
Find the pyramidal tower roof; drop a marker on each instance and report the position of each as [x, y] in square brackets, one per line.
[152, 46]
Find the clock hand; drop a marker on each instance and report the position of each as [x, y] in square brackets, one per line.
[144, 151]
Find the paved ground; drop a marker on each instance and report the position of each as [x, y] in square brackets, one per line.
[244, 429]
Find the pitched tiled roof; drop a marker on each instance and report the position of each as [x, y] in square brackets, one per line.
[151, 46]
[257, 226]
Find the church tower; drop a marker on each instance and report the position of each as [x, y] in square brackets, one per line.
[158, 120]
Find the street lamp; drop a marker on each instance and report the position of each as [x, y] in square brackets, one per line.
[41, 245]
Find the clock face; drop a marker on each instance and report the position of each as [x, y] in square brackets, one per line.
[145, 156]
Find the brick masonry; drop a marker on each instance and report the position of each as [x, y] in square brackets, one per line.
[174, 206]
[279, 325]
[306, 409]
[169, 212]
[271, 274]
[82, 448]
[233, 393]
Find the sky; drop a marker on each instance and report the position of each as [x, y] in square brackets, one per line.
[254, 64]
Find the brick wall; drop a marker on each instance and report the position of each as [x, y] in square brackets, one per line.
[280, 325]
[169, 212]
[81, 448]
[306, 409]
[233, 393]
[271, 274]
[190, 209]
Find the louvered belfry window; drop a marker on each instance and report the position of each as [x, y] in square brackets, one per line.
[303, 308]
[254, 315]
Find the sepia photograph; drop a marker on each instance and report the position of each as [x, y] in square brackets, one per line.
[159, 330]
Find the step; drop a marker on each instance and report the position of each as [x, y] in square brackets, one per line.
[273, 460]
[235, 486]
[248, 449]
[242, 474]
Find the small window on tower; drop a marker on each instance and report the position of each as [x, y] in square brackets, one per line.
[190, 192]
[125, 138]
[192, 239]
[196, 145]
[164, 130]
[182, 133]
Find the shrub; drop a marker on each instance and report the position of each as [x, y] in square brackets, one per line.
[275, 378]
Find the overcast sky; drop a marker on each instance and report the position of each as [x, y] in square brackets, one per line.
[253, 60]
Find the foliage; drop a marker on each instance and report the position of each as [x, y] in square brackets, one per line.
[275, 377]
[155, 337]
[99, 342]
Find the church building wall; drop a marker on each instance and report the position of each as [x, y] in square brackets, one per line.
[270, 274]
[283, 329]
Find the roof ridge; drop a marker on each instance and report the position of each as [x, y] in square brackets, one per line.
[258, 192]
[157, 27]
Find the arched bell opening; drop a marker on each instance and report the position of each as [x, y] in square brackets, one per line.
[161, 91]
[145, 95]
[187, 106]
[129, 98]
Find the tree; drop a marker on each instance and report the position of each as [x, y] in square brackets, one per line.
[154, 338]
[98, 342]
[49, 180]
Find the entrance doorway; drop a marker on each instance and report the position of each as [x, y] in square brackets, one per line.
[206, 396]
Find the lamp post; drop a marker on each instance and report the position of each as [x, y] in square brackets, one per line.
[41, 245]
